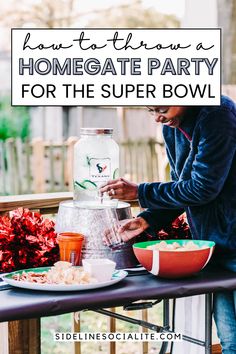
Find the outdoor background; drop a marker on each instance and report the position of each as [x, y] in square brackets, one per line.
[36, 144]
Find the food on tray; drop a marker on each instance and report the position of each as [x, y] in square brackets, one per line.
[61, 273]
[175, 246]
[31, 277]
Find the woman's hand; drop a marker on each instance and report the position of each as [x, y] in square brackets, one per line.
[129, 228]
[132, 227]
[120, 189]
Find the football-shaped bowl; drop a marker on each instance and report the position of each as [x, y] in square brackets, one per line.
[168, 263]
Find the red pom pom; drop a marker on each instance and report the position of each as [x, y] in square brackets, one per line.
[179, 229]
[27, 240]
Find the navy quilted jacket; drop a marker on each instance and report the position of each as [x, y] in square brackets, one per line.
[202, 156]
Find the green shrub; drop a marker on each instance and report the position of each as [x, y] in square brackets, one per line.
[14, 121]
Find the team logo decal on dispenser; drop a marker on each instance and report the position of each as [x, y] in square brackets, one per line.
[99, 169]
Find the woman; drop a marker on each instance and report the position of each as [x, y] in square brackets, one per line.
[201, 148]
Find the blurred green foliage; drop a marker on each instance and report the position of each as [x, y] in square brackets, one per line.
[14, 121]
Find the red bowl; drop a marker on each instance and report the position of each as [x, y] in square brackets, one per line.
[174, 264]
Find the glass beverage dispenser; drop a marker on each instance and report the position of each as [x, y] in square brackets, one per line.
[96, 161]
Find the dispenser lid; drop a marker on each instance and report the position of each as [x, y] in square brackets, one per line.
[96, 131]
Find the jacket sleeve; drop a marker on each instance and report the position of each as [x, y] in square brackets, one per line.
[210, 168]
[160, 218]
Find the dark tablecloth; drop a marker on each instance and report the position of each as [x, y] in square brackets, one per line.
[16, 303]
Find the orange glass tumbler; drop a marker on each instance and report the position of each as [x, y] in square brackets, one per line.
[70, 246]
